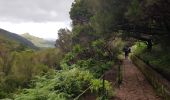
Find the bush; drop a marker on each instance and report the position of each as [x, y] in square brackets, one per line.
[97, 87]
[66, 84]
[94, 58]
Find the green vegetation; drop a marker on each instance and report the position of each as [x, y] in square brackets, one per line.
[20, 64]
[158, 58]
[39, 42]
[17, 38]
[53, 73]
[18, 68]
[62, 85]
[101, 28]
[35, 70]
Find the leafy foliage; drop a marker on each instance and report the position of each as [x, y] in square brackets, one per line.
[94, 58]
[80, 14]
[158, 58]
[64, 42]
[19, 66]
[97, 87]
[66, 84]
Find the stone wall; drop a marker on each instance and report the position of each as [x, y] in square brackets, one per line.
[159, 83]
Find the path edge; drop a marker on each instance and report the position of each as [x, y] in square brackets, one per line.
[158, 82]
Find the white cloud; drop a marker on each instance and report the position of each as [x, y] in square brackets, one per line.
[35, 10]
[46, 30]
[41, 18]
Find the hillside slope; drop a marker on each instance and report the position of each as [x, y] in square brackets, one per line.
[39, 42]
[17, 38]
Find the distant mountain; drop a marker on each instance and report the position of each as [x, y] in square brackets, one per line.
[17, 38]
[39, 42]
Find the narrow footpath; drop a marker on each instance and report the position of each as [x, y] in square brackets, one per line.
[134, 86]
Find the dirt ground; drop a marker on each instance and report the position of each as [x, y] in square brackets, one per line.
[134, 86]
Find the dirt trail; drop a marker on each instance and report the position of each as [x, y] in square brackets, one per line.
[134, 86]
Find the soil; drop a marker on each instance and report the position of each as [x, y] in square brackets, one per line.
[134, 85]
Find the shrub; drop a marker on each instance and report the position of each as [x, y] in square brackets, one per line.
[66, 84]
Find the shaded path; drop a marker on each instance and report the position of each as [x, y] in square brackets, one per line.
[134, 86]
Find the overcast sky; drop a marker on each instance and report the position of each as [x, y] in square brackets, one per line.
[40, 18]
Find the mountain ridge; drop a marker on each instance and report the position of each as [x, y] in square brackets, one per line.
[17, 38]
[39, 42]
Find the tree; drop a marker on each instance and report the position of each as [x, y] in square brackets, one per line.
[80, 13]
[109, 15]
[64, 41]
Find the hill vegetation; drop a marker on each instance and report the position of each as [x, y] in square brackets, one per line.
[39, 42]
[17, 38]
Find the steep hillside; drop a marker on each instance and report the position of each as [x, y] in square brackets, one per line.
[17, 38]
[10, 45]
[39, 42]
